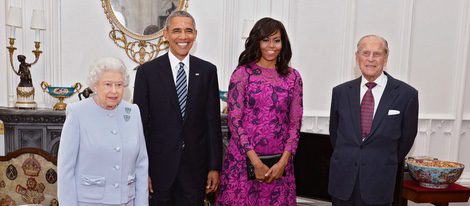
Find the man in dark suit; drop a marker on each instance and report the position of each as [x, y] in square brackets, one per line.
[373, 124]
[178, 97]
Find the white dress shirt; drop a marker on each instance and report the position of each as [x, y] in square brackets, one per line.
[175, 66]
[377, 91]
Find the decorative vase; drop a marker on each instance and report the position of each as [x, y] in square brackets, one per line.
[60, 93]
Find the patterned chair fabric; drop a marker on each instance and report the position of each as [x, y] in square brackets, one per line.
[28, 176]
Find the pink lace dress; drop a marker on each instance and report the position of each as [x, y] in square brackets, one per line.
[265, 113]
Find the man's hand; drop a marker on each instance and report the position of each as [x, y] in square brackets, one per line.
[150, 186]
[213, 181]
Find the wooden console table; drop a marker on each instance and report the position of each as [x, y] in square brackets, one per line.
[439, 197]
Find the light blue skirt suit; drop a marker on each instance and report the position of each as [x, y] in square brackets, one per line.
[102, 156]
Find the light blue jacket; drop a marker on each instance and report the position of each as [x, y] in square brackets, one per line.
[102, 155]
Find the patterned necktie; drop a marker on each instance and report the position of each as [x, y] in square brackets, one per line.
[367, 110]
[181, 88]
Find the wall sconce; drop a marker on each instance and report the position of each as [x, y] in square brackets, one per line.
[247, 26]
[25, 89]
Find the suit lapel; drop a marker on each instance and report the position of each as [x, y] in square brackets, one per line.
[388, 97]
[194, 72]
[354, 103]
[168, 81]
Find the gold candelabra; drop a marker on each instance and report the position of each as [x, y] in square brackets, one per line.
[11, 50]
[25, 88]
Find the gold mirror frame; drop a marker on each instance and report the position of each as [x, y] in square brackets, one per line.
[138, 47]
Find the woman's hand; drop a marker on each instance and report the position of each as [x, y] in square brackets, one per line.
[275, 172]
[260, 171]
[260, 168]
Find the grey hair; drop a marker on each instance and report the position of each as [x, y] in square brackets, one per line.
[180, 13]
[376, 36]
[106, 64]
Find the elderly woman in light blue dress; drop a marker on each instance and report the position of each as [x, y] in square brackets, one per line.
[102, 156]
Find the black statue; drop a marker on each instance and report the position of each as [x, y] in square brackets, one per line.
[24, 72]
[86, 93]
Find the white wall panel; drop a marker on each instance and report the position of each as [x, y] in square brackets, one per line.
[317, 40]
[440, 139]
[25, 44]
[434, 52]
[371, 18]
[464, 152]
[466, 105]
[85, 39]
[4, 66]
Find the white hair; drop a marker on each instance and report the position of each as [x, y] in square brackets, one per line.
[375, 36]
[106, 64]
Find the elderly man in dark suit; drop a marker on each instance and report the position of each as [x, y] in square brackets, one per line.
[373, 124]
[178, 97]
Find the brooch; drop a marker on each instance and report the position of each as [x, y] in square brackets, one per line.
[127, 117]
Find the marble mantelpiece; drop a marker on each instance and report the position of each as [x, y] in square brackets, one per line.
[38, 128]
[41, 128]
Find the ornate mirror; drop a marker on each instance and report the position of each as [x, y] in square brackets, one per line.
[137, 25]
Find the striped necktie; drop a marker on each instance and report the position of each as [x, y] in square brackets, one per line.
[367, 110]
[181, 88]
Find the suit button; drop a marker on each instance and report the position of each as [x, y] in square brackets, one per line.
[116, 185]
[182, 146]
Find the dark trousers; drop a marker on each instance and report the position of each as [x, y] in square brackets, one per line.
[355, 199]
[185, 191]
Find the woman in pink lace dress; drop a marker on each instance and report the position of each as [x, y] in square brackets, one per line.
[265, 112]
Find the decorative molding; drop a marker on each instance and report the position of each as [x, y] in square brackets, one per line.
[4, 59]
[464, 134]
[262, 8]
[315, 124]
[11, 88]
[32, 119]
[10, 115]
[53, 50]
[229, 40]
[437, 116]
[464, 179]
[347, 65]
[463, 39]
[406, 32]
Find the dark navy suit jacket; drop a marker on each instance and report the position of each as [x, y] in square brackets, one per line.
[191, 146]
[371, 163]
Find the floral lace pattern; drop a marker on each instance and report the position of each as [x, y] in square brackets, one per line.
[265, 112]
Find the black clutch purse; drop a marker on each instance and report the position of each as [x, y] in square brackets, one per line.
[268, 160]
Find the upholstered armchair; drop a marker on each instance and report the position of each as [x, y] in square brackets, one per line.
[28, 176]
